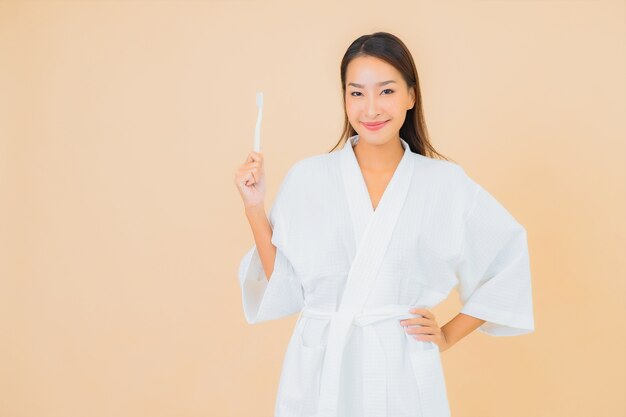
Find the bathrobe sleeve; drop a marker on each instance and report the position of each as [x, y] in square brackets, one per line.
[282, 295]
[494, 271]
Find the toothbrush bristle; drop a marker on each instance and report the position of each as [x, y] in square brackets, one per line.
[259, 99]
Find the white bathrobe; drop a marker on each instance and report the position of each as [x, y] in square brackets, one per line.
[353, 273]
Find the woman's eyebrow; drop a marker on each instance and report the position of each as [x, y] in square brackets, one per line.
[380, 83]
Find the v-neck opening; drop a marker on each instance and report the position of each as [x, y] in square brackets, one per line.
[371, 210]
[362, 212]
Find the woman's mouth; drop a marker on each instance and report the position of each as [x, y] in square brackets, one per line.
[374, 125]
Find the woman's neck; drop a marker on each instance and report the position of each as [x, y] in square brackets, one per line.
[380, 158]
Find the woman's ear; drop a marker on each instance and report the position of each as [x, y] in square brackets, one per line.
[411, 98]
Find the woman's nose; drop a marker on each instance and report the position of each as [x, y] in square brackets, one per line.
[372, 106]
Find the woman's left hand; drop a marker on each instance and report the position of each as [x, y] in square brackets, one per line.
[428, 330]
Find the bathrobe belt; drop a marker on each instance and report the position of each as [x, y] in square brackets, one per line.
[374, 357]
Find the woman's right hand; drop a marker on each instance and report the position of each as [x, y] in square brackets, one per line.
[250, 180]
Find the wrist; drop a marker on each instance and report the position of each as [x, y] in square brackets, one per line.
[255, 211]
[445, 338]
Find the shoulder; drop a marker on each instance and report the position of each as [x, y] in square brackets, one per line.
[313, 166]
[445, 173]
[467, 193]
[305, 176]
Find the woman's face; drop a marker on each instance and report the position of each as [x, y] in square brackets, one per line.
[376, 92]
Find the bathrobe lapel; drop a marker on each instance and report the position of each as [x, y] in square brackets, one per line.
[372, 228]
[372, 234]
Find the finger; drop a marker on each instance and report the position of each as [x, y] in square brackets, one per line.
[425, 338]
[415, 320]
[424, 312]
[254, 156]
[249, 165]
[249, 174]
[255, 174]
[421, 330]
[248, 179]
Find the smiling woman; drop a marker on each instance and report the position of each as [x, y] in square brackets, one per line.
[380, 84]
[365, 241]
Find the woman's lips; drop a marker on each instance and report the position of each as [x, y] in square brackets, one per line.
[374, 126]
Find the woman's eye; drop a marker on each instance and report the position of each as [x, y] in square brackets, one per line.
[358, 92]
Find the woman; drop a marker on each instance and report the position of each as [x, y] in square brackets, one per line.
[364, 241]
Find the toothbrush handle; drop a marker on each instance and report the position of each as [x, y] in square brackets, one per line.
[257, 131]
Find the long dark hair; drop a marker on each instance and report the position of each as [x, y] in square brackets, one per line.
[392, 50]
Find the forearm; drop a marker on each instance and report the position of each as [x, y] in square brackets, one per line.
[262, 231]
[459, 327]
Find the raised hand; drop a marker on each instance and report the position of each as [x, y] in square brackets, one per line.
[250, 180]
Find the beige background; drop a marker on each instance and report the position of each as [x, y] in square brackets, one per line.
[121, 231]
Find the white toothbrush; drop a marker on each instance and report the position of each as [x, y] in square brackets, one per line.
[257, 130]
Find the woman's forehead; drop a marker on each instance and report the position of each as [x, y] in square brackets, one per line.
[371, 72]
